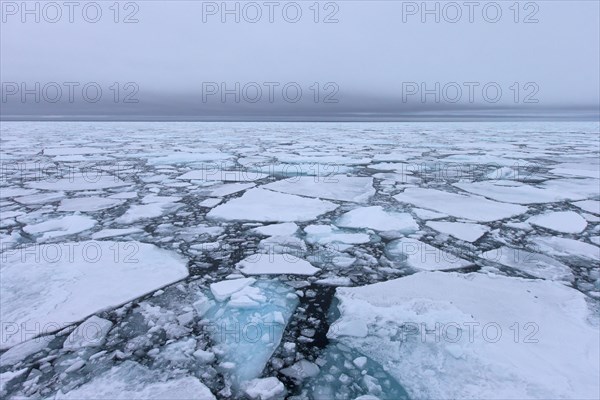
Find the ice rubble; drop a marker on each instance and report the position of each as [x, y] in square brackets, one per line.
[422, 256]
[475, 208]
[132, 381]
[248, 327]
[377, 218]
[560, 221]
[460, 230]
[264, 388]
[268, 206]
[347, 374]
[335, 187]
[49, 286]
[491, 333]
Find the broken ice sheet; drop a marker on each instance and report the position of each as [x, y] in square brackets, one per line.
[268, 206]
[62, 226]
[247, 324]
[335, 187]
[345, 373]
[275, 264]
[394, 323]
[88, 204]
[422, 256]
[54, 285]
[130, 380]
[475, 208]
[534, 264]
[560, 221]
[378, 219]
[460, 230]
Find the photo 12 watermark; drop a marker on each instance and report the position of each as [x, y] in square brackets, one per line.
[253, 12]
[56, 12]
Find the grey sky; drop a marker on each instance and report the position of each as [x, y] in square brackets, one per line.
[373, 61]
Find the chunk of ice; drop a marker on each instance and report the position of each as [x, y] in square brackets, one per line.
[378, 219]
[54, 285]
[475, 336]
[422, 256]
[475, 208]
[265, 205]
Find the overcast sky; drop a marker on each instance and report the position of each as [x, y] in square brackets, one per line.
[376, 60]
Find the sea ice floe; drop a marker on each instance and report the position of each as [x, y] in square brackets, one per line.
[565, 247]
[62, 226]
[275, 264]
[324, 234]
[335, 187]
[224, 289]
[188, 158]
[493, 329]
[40, 198]
[264, 388]
[64, 151]
[240, 175]
[54, 285]
[428, 214]
[377, 218]
[24, 349]
[268, 206]
[460, 230]
[90, 333]
[88, 204]
[154, 206]
[246, 337]
[522, 193]
[226, 189]
[422, 256]
[302, 369]
[107, 233]
[130, 380]
[560, 221]
[572, 169]
[534, 264]
[591, 206]
[210, 203]
[123, 195]
[283, 244]
[475, 208]
[284, 229]
[80, 182]
[7, 192]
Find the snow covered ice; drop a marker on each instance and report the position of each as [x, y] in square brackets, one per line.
[351, 261]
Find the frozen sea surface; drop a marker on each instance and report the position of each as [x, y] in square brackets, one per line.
[302, 261]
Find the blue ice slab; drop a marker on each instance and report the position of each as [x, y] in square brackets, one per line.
[247, 328]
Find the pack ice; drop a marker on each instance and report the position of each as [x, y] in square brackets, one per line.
[451, 335]
[49, 286]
